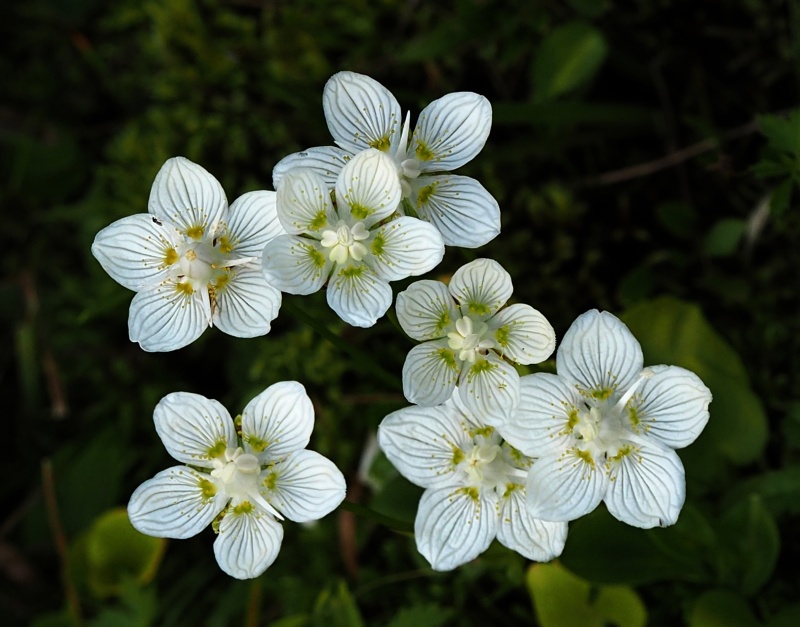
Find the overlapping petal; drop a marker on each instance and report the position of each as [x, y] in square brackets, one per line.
[358, 295]
[426, 310]
[305, 486]
[454, 526]
[462, 210]
[481, 287]
[248, 542]
[278, 421]
[246, 304]
[368, 188]
[252, 222]
[647, 487]
[599, 353]
[137, 251]
[425, 443]
[523, 334]
[430, 373]
[178, 502]
[325, 161]
[450, 131]
[564, 487]
[166, 318]
[541, 424]
[538, 540]
[361, 113]
[489, 388]
[671, 406]
[304, 203]
[188, 196]
[297, 265]
[193, 428]
[405, 247]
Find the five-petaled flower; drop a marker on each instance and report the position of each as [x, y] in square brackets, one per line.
[242, 482]
[475, 486]
[342, 238]
[604, 428]
[192, 260]
[466, 336]
[361, 113]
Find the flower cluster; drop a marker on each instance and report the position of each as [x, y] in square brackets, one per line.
[499, 455]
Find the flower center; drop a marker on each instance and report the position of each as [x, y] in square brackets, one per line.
[468, 339]
[487, 468]
[345, 241]
[238, 471]
[199, 262]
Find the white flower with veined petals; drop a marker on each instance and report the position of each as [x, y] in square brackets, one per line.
[193, 261]
[475, 486]
[361, 113]
[604, 428]
[240, 484]
[339, 238]
[466, 336]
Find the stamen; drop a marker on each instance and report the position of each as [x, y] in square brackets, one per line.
[646, 374]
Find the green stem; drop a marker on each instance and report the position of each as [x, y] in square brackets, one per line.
[361, 359]
[388, 521]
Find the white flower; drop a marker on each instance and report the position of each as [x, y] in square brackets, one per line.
[474, 486]
[604, 428]
[241, 484]
[192, 261]
[340, 238]
[465, 338]
[361, 113]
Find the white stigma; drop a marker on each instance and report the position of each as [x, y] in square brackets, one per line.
[239, 472]
[468, 338]
[199, 261]
[345, 242]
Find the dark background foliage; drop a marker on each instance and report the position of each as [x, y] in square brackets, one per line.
[640, 149]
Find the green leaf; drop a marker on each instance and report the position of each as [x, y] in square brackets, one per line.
[116, 553]
[398, 500]
[678, 218]
[779, 490]
[721, 608]
[562, 599]
[724, 237]
[676, 333]
[751, 543]
[568, 57]
[427, 614]
[783, 134]
[336, 608]
[781, 198]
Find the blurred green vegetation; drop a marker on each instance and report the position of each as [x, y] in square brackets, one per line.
[645, 156]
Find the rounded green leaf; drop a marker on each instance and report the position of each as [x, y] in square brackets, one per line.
[721, 608]
[567, 58]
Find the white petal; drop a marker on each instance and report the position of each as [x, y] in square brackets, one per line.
[541, 424]
[246, 304]
[368, 188]
[425, 443]
[451, 131]
[535, 539]
[564, 487]
[671, 406]
[454, 526]
[187, 195]
[137, 251]
[489, 388]
[296, 265]
[426, 310]
[178, 502]
[247, 543]
[166, 318]
[430, 373]
[459, 207]
[361, 113]
[600, 354]
[647, 487]
[405, 247]
[252, 222]
[325, 161]
[278, 421]
[304, 203]
[305, 486]
[523, 334]
[481, 287]
[193, 428]
[358, 295]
